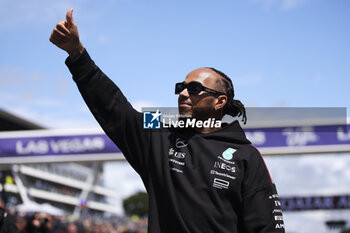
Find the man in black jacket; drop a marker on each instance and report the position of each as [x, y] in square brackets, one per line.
[203, 179]
[7, 222]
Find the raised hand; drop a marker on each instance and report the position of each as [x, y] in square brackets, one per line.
[65, 35]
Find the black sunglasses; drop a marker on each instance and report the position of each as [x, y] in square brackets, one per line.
[194, 88]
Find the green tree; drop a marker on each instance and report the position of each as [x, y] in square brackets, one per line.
[345, 230]
[136, 204]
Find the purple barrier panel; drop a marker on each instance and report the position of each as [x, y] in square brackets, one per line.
[315, 203]
[300, 136]
[56, 145]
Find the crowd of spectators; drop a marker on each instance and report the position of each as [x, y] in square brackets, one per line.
[44, 223]
[55, 188]
[60, 170]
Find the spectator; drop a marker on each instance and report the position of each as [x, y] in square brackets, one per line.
[72, 228]
[7, 222]
[21, 223]
[40, 223]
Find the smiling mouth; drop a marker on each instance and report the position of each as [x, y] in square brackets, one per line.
[184, 105]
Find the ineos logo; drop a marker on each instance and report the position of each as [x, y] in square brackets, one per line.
[224, 166]
[180, 143]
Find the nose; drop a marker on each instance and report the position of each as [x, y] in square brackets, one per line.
[184, 93]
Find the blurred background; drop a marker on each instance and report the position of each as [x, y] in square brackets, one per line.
[279, 53]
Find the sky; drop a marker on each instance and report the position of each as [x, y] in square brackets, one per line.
[279, 53]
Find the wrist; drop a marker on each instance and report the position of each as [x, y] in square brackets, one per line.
[76, 52]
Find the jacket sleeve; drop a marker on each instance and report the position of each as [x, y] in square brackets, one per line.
[111, 109]
[262, 211]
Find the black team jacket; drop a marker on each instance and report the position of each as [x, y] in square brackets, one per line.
[197, 183]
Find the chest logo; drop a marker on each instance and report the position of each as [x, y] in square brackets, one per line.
[228, 153]
[180, 143]
[176, 154]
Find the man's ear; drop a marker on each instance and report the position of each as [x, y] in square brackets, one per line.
[221, 101]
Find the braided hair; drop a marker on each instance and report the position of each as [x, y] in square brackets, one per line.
[233, 107]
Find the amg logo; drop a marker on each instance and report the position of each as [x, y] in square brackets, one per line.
[277, 203]
[273, 196]
[279, 218]
[277, 211]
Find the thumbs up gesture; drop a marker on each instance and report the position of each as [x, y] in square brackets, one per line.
[65, 35]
